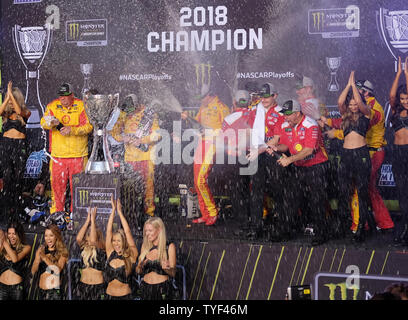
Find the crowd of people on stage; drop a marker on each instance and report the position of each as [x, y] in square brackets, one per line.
[296, 170]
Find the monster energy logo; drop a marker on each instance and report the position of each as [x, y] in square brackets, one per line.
[318, 20]
[73, 31]
[335, 23]
[343, 290]
[203, 71]
[83, 197]
[92, 32]
[351, 285]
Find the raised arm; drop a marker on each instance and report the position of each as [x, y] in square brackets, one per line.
[341, 102]
[5, 102]
[93, 235]
[394, 87]
[406, 72]
[26, 250]
[357, 97]
[37, 260]
[82, 231]
[109, 226]
[128, 233]
[16, 106]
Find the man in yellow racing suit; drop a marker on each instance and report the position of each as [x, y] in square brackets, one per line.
[211, 116]
[141, 159]
[69, 127]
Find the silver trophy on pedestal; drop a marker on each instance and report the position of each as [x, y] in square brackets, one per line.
[86, 70]
[333, 63]
[99, 108]
[393, 27]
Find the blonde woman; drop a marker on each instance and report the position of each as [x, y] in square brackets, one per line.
[13, 260]
[122, 255]
[157, 262]
[90, 239]
[50, 260]
[13, 146]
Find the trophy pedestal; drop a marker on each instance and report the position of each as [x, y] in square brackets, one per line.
[94, 190]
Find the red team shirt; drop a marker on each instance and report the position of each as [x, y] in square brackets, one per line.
[304, 135]
[274, 120]
[241, 118]
[244, 118]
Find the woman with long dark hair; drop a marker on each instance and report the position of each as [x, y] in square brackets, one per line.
[399, 121]
[157, 262]
[13, 149]
[355, 164]
[90, 239]
[122, 255]
[13, 262]
[50, 260]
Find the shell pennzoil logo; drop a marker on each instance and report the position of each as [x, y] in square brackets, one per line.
[298, 147]
[66, 119]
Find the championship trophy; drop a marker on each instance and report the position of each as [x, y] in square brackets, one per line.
[96, 186]
[333, 64]
[393, 27]
[32, 44]
[394, 31]
[99, 108]
[86, 69]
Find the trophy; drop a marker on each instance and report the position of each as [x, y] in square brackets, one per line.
[333, 64]
[86, 69]
[99, 108]
[394, 31]
[32, 44]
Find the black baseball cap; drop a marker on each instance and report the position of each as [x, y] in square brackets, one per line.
[267, 90]
[290, 106]
[65, 89]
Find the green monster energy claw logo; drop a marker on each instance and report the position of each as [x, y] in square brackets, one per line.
[83, 197]
[343, 290]
[73, 30]
[201, 74]
[318, 20]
